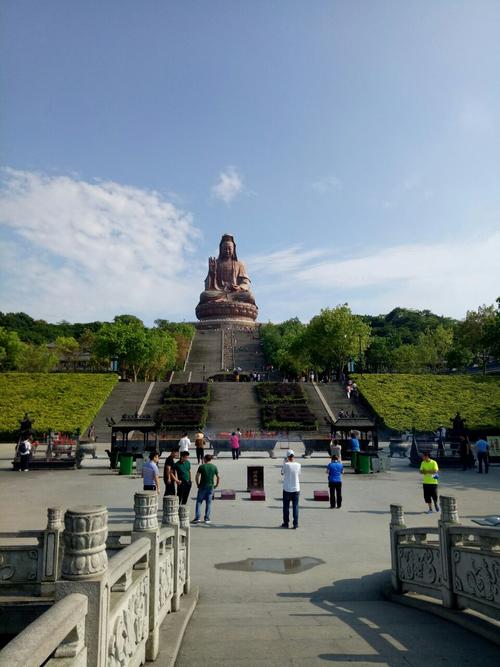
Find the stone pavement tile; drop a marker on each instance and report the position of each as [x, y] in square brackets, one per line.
[197, 652]
[207, 661]
[235, 631]
[335, 629]
[346, 661]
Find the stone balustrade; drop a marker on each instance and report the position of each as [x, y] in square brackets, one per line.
[56, 638]
[460, 565]
[127, 596]
[32, 567]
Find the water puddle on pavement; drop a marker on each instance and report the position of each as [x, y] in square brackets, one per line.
[275, 565]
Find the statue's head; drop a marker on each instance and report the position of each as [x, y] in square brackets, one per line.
[227, 247]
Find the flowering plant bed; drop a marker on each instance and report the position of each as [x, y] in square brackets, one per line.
[280, 392]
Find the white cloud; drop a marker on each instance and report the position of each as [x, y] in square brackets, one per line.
[81, 251]
[448, 278]
[326, 184]
[229, 185]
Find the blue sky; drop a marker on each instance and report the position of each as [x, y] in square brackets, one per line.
[351, 148]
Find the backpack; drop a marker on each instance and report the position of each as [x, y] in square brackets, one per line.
[22, 448]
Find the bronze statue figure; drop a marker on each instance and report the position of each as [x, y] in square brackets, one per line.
[227, 294]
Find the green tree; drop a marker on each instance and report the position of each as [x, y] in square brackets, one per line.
[475, 333]
[68, 349]
[37, 359]
[336, 336]
[406, 359]
[10, 349]
[161, 353]
[433, 346]
[284, 347]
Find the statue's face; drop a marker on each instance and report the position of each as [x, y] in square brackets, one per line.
[227, 249]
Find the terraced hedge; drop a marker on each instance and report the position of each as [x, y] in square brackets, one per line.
[426, 401]
[284, 407]
[61, 401]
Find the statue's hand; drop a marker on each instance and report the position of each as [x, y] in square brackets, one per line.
[212, 263]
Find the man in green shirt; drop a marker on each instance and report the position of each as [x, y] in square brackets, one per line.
[207, 479]
[430, 471]
[183, 471]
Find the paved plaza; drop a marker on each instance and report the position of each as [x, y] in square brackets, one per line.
[332, 612]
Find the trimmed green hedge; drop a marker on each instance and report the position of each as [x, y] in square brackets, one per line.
[192, 392]
[61, 401]
[426, 401]
[284, 407]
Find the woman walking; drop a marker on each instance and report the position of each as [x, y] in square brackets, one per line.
[430, 471]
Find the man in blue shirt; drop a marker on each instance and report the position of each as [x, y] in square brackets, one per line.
[151, 474]
[482, 452]
[335, 470]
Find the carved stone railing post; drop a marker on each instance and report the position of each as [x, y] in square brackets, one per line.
[146, 525]
[171, 518]
[145, 511]
[397, 522]
[184, 524]
[84, 570]
[51, 549]
[170, 511]
[449, 517]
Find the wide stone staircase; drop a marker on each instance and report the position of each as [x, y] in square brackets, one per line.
[247, 351]
[126, 398]
[205, 357]
[233, 405]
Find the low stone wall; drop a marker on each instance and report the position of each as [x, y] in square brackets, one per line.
[459, 565]
[107, 612]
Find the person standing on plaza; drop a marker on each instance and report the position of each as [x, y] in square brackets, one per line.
[336, 449]
[184, 443]
[355, 449]
[24, 450]
[291, 489]
[169, 475]
[235, 445]
[482, 453]
[464, 451]
[199, 443]
[151, 473]
[207, 479]
[430, 471]
[335, 470]
[183, 471]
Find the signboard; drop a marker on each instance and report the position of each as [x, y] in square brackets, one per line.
[494, 443]
[255, 477]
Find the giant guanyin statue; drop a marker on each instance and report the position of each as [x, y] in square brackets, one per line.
[227, 294]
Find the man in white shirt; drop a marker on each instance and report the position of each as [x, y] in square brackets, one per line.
[291, 489]
[184, 443]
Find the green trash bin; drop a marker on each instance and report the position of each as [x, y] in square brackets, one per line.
[364, 464]
[126, 463]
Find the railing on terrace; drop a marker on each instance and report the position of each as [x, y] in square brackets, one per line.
[460, 565]
[119, 603]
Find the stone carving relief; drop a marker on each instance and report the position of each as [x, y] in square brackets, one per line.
[420, 565]
[182, 566]
[166, 579]
[130, 627]
[18, 566]
[476, 575]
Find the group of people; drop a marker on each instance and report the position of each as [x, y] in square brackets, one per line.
[177, 478]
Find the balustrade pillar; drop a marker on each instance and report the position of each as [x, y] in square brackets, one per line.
[171, 518]
[170, 511]
[146, 511]
[449, 517]
[51, 549]
[397, 522]
[146, 525]
[185, 525]
[84, 570]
